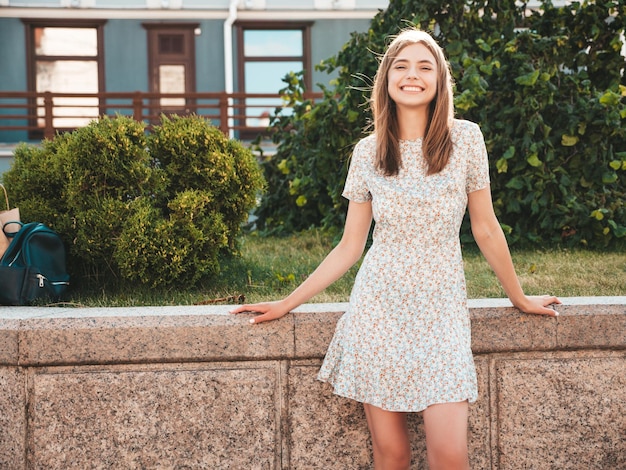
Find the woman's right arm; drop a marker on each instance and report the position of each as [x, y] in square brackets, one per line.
[335, 265]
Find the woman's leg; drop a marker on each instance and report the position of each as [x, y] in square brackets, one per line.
[446, 436]
[390, 438]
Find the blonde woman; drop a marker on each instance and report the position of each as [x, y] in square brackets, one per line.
[403, 344]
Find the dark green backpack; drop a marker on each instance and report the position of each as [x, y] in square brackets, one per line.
[33, 266]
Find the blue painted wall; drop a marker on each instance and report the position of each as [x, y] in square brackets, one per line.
[125, 56]
[210, 57]
[327, 39]
[12, 73]
[12, 55]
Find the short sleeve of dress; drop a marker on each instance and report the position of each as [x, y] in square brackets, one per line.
[478, 162]
[356, 188]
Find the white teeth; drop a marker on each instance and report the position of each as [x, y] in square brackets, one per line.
[412, 88]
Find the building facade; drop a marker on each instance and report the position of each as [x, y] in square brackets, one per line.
[163, 46]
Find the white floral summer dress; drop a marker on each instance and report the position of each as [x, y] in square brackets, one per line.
[404, 342]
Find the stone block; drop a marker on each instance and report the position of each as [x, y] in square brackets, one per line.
[561, 411]
[479, 441]
[212, 416]
[9, 340]
[505, 329]
[315, 329]
[12, 418]
[151, 338]
[592, 326]
[323, 430]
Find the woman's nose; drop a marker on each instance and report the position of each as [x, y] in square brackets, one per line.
[411, 72]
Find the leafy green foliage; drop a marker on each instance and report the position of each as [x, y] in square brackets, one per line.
[546, 89]
[197, 156]
[179, 249]
[154, 208]
[304, 176]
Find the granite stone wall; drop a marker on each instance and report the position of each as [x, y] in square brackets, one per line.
[195, 387]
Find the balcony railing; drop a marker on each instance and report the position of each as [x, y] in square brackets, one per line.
[42, 115]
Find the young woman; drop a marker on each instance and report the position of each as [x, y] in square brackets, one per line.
[403, 344]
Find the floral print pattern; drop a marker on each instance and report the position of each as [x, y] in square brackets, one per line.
[404, 342]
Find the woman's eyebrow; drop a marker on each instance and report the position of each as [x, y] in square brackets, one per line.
[406, 59]
[421, 61]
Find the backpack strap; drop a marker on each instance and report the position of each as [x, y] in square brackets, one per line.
[15, 247]
[11, 234]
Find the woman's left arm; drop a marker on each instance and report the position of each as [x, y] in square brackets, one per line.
[492, 243]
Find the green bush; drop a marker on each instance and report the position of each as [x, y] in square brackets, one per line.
[157, 208]
[195, 155]
[310, 164]
[178, 250]
[546, 89]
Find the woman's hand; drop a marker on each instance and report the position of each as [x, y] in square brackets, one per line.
[538, 304]
[269, 310]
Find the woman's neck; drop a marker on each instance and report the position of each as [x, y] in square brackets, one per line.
[411, 123]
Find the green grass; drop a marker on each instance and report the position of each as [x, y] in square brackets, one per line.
[562, 272]
[270, 268]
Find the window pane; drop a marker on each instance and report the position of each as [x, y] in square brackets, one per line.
[171, 44]
[266, 77]
[172, 80]
[65, 76]
[66, 42]
[272, 43]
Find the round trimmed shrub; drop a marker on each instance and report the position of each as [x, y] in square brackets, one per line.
[157, 208]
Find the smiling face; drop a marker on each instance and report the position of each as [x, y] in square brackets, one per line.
[412, 77]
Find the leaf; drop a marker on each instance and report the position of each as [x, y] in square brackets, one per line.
[510, 153]
[501, 165]
[618, 230]
[585, 183]
[483, 45]
[516, 183]
[609, 177]
[528, 79]
[597, 214]
[487, 69]
[609, 98]
[616, 164]
[284, 167]
[353, 116]
[454, 48]
[569, 140]
[533, 160]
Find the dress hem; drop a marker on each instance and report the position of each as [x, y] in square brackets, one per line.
[470, 398]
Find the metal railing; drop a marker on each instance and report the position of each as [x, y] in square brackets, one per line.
[43, 114]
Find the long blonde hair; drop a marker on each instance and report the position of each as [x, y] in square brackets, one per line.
[437, 143]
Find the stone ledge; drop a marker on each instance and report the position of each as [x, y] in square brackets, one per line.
[195, 387]
[32, 336]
